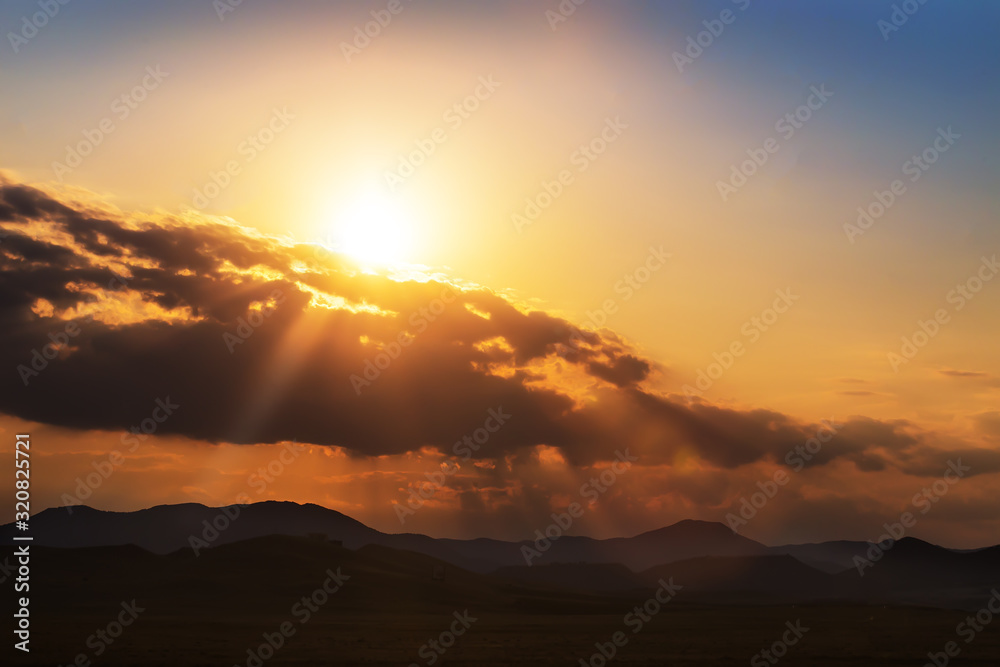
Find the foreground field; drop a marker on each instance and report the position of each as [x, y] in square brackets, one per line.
[683, 635]
[293, 601]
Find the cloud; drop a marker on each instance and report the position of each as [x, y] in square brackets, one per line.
[262, 340]
[622, 371]
[988, 422]
[963, 374]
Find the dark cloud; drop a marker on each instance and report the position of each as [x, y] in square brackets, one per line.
[26, 249]
[263, 341]
[950, 372]
[622, 371]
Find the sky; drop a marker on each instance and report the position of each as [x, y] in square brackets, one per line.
[704, 233]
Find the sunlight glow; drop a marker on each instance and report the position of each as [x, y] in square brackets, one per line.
[374, 230]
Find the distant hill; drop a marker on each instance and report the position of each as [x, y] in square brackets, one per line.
[916, 571]
[589, 577]
[770, 578]
[166, 528]
[832, 557]
[267, 574]
[708, 559]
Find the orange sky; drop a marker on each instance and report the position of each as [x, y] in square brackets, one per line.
[764, 298]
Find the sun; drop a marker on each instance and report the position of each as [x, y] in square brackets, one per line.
[375, 230]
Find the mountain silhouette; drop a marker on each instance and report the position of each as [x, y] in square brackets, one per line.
[707, 558]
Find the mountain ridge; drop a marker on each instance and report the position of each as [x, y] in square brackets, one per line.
[167, 528]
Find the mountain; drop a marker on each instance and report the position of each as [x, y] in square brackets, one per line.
[256, 572]
[167, 528]
[912, 565]
[774, 578]
[685, 539]
[831, 557]
[707, 558]
[589, 577]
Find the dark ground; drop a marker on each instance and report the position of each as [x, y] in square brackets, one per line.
[209, 610]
